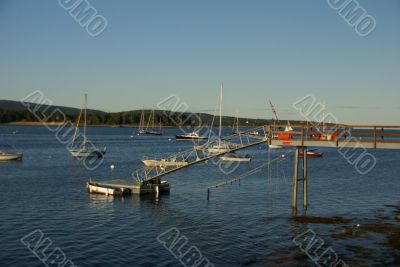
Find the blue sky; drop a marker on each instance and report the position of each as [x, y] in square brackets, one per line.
[281, 50]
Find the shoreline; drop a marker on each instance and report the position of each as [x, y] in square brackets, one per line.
[52, 124]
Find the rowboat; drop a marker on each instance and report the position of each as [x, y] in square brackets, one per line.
[8, 156]
[121, 187]
[95, 188]
[235, 157]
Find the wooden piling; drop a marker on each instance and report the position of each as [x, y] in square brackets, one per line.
[305, 174]
[295, 180]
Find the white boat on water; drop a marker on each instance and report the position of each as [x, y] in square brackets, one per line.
[221, 146]
[164, 163]
[190, 136]
[87, 148]
[275, 147]
[8, 156]
[218, 149]
[87, 151]
[235, 157]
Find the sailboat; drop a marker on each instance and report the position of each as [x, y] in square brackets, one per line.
[221, 147]
[152, 131]
[141, 124]
[86, 148]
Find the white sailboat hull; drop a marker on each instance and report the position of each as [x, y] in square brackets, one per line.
[274, 147]
[236, 159]
[217, 150]
[86, 153]
[10, 156]
[163, 163]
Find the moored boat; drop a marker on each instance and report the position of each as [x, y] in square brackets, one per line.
[121, 187]
[235, 157]
[164, 163]
[87, 148]
[190, 136]
[311, 154]
[9, 156]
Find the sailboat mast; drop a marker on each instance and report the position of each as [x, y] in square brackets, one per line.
[220, 116]
[84, 125]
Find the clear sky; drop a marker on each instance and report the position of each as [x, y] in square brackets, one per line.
[281, 50]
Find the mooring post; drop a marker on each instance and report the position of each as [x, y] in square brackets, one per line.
[208, 194]
[305, 196]
[296, 171]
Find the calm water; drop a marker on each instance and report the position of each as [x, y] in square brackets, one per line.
[242, 225]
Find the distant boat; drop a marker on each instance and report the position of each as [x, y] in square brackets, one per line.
[164, 163]
[152, 130]
[311, 154]
[222, 146]
[190, 136]
[9, 156]
[86, 149]
[235, 157]
[142, 130]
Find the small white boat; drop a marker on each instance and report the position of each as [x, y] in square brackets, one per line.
[235, 157]
[190, 136]
[95, 188]
[218, 149]
[8, 156]
[274, 147]
[87, 152]
[164, 163]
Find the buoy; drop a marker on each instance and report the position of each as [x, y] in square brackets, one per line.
[112, 166]
[170, 139]
[283, 155]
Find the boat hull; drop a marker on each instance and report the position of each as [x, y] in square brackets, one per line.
[235, 159]
[311, 154]
[10, 156]
[87, 153]
[120, 188]
[163, 163]
[188, 138]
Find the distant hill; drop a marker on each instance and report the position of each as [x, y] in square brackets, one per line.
[18, 106]
[14, 111]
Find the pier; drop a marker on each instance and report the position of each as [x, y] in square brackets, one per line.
[346, 138]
